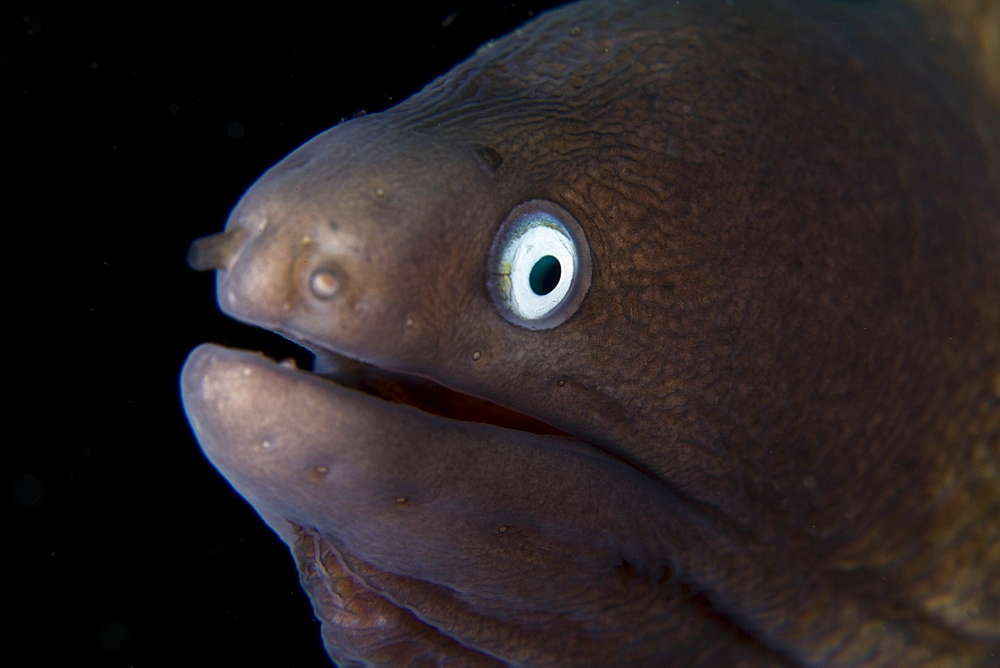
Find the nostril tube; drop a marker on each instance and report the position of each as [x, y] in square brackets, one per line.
[215, 250]
[325, 283]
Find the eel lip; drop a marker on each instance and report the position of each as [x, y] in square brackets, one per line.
[257, 420]
[299, 446]
[212, 393]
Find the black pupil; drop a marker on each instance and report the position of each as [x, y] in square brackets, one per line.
[545, 275]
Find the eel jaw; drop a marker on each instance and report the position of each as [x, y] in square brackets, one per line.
[321, 454]
[474, 529]
[421, 393]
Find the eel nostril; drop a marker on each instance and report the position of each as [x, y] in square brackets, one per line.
[215, 250]
[325, 283]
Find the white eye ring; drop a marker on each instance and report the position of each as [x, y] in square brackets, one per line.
[539, 266]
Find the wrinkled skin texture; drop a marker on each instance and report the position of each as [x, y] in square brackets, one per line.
[769, 435]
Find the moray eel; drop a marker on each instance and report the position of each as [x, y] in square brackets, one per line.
[656, 332]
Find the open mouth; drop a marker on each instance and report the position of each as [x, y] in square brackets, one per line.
[422, 393]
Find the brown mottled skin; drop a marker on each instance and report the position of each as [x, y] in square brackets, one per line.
[772, 429]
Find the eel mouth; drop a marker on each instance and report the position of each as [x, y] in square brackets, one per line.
[418, 392]
[222, 251]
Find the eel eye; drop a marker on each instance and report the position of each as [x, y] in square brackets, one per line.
[539, 269]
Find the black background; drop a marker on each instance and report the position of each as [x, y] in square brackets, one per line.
[128, 134]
